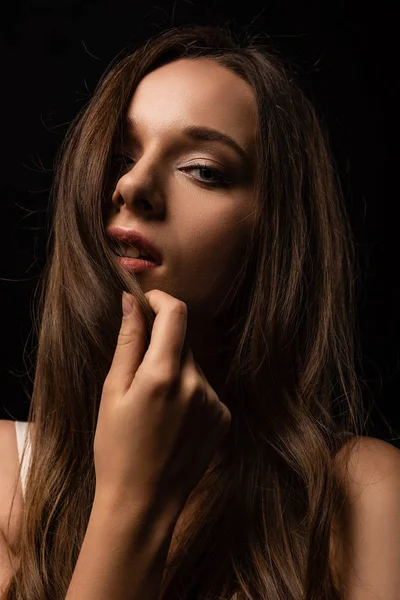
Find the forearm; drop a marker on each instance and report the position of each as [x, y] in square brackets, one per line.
[123, 554]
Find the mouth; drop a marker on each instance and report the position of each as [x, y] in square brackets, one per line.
[132, 244]
[124, 250]
[133, 259]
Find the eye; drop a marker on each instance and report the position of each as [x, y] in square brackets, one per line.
[218, 177]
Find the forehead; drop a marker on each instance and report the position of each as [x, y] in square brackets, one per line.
[195, 92]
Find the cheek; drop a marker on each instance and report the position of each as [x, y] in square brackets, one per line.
[209, 252]
[217, 242]
[212, 263]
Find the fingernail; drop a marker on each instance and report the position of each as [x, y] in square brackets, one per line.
[126, 304]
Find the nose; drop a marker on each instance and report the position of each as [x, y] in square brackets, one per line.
[137, 192]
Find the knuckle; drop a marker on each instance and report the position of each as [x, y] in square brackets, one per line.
[160, 386]
[165, 376]
[226, 416]
[193, 386]
[154, 293]
[130, 327]
[126, 338]
[174, 304]
[161, 379]
[180, 307]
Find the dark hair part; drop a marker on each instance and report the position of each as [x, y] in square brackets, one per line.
[271, 503]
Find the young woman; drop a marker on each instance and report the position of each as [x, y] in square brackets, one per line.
[210, 443]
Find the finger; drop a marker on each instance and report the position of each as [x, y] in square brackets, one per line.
[193, 372]
[168, 333]
[129, 350]
[191, 364]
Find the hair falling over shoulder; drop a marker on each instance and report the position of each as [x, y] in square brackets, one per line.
[270, 505]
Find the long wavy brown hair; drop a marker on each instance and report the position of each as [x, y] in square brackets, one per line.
[271, 503]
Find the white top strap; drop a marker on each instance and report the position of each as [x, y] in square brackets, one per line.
[22, 431]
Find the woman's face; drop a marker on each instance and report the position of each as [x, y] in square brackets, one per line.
[200, 224]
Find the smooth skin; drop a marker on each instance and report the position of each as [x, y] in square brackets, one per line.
[200, 225]
[160, 422]
[158, 427]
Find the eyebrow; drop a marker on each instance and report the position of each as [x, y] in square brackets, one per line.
[203, 134]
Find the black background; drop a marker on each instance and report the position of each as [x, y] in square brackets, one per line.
[53, 54]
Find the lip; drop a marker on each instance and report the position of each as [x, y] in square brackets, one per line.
[135, 265]
[131, 236]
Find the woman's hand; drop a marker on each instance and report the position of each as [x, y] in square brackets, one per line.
[160, 422]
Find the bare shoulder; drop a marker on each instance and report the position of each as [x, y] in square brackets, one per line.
[368, 461]
[370, 536]
[9, 464]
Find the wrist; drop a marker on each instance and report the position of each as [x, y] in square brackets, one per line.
[139, 514]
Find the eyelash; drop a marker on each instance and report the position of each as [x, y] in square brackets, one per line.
[222, 182]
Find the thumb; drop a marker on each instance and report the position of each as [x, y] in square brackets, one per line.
[130, 347]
